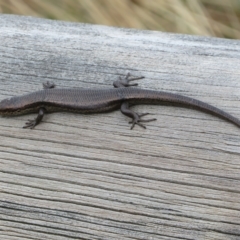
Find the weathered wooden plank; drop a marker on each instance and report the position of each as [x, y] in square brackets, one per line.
[89, 176]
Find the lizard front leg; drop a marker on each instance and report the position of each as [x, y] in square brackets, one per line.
[31, 123]
[34, 122]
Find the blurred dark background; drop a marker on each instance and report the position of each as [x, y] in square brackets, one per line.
[220, 18]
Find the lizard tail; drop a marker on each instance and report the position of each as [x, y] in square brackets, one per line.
[158, 97]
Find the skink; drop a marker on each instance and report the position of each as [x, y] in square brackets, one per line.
[51, 99]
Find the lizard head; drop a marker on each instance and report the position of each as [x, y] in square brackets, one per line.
[9, 106]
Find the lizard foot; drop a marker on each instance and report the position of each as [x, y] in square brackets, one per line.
[31, 123]
[48, 85]
[125, 82]
[138, 121]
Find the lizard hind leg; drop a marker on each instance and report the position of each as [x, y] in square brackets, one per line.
[136, 118]
[125, 82]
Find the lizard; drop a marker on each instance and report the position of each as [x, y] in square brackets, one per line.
[122, 97]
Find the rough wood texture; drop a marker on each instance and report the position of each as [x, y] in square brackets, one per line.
[91, 177]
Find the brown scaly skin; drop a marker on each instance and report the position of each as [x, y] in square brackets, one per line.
[51, 99]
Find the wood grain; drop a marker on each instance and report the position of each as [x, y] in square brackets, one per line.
[91, 177]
